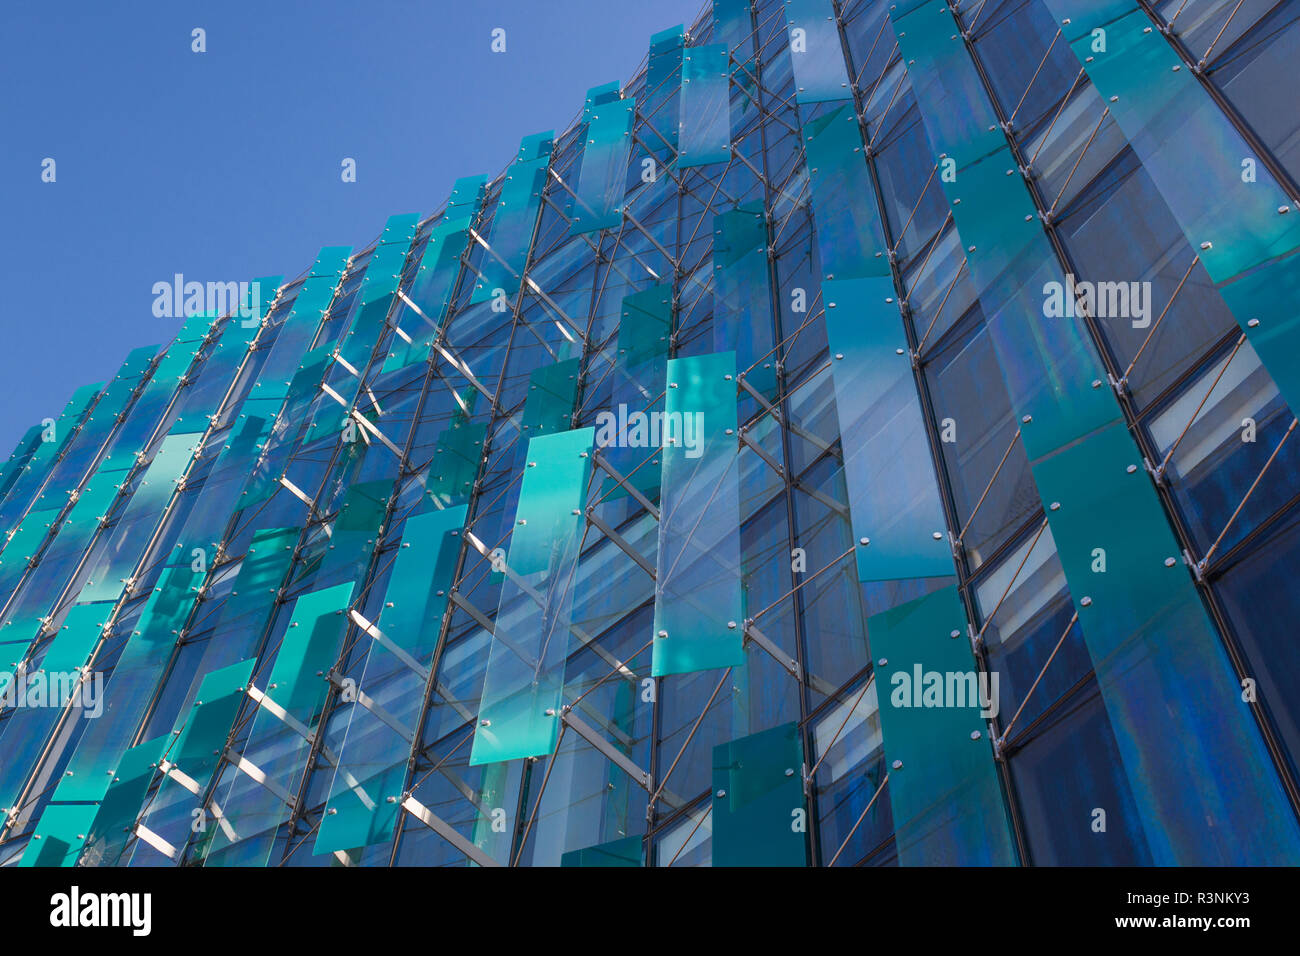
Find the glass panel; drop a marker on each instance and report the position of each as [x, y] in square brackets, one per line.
[705, 127]
[598, 201]
[60, 835]
[625, 852]
[759, 813]
[121, 804]
[742, 306]
[515, 220]
[844, 208]
[943, 786]
[698, 610]
[552, 396]
[519, 712]
[898, 520]
[815, 52]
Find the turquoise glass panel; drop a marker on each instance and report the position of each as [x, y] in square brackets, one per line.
[662, 90]
[310, 647]
[626, 852]
[704, 130]
[698, 619]
[515, 221]
[602, 180]
[552, 396]
[759, 811]
[733, 25]
[522, 687]
[440, 266]
[899, 526]
[60, 835]
[203, 733]
[943, 786]
[844, 206]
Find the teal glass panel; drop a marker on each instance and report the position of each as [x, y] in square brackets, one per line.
[662, 89]
[602, 180]
[310, 646]
[742, 302]
[647, 322]
[123, 802]
[1168, 685]
[435, 280]
[456, 460]
[698, 619]
[356, 529]
[202, 736]
[511, 236]
[958, 115]
[759, 812]
[1264, 301]
[552, 396]
[943, 785]
[704, 130]
[815, 52]
[373, 757]
[898, 521]
[60, 835]
[843, 198]
[378, 287]
[22, 453]
[626, 852]
[522, 687]
[733, 25]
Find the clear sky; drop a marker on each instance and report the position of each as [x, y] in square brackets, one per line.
[225, 165]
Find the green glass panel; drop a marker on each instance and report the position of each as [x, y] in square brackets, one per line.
[38, 451]
[602, 180]
[625, 852]
[815, 52]
[698, 612]
[310, 647]
[704, 130]
[647, 322]
[60, 835]
[662, 88]
[897, 517]
[552, 397]
[511, 235]
[759, 812]
[844, 207]
[373, 757]
[123, 802]
[943, 785]
[522, 687]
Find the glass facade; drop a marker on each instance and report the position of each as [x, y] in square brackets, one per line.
[864, 437]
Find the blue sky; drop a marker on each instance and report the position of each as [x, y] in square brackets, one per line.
[225, 165]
